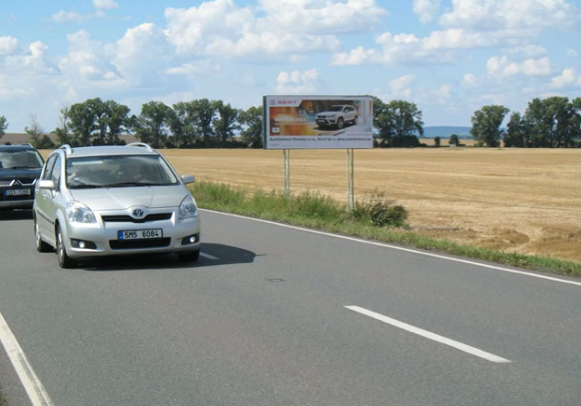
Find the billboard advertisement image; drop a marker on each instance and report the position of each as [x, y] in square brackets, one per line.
[318, 122]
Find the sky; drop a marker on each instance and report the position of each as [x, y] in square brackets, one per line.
[450, 57]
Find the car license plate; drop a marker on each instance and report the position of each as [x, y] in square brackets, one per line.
[17, 192]
[140, 234]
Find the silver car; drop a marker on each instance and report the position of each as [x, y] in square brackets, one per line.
[114, 200]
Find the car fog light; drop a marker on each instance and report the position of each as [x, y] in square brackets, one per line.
[81, 244]
[192, 239]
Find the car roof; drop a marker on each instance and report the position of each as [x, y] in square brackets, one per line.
[82, 152]
[20, 147]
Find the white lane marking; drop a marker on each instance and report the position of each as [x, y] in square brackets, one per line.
[30, 381]
[432, 336]
[394, 247]
[203, 254]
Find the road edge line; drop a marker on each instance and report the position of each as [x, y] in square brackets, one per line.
[395, 247]
[30, 381]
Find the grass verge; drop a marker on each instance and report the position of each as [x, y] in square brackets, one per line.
[326, 214]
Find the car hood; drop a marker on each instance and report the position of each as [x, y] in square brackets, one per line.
[124, 198]
[9, 174]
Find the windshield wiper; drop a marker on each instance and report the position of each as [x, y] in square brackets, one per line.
[85, 186]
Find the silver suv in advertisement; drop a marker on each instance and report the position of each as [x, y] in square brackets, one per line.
[337, 116]
[114, 200]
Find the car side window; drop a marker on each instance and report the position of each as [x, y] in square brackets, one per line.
[48, 168]
[55, 175]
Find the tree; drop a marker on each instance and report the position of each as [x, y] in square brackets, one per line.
[252, 123]
[486, 124]
[437, 141]
[398, 122]
[63, 132]
[82, 123]
[204, 112]
[35, 131]
[3, 126]
[553, 122]
[227, 122]
[117, 121]
[151, 125]
[454, 140]
[182, 124]
[100, 113]
[516, 133]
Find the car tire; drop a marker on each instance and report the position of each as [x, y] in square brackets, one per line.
[65, 261]
[191, 256]
[41, 246]
[340, 123]
[355, 120]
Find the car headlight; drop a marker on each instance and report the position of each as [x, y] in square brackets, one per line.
[188, 208]
[79, 213]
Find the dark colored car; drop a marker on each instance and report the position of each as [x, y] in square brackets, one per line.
[20, 167]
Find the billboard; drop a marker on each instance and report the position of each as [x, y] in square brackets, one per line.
[318, 122]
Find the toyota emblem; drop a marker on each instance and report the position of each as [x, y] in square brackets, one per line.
[138, 213]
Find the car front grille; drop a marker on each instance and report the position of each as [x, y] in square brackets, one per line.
[129, 219]
[17, 182]
[136, 244]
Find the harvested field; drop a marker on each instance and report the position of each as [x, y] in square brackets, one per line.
[527, 201]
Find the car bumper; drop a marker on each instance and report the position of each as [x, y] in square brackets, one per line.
[104, 236]
[326, 121]
[16, 204]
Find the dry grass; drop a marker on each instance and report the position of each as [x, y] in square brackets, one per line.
[526, 201]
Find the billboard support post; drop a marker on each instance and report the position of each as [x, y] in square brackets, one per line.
[286, 170]
[350, 181]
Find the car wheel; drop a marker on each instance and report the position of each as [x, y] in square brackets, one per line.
[41, 246]
[64, 260]
[355, 120]
[191, 256]
[340, 123]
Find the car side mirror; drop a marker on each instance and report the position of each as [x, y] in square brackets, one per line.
[47, 185]
[187, 179]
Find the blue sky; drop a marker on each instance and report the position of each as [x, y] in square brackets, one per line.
[449, 56]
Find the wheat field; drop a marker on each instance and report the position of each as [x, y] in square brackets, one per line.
[527, 201]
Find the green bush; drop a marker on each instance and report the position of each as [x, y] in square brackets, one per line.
[375, 208]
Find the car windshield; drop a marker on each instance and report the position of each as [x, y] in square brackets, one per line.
[118, 171]
[20, 159]
[336, 108]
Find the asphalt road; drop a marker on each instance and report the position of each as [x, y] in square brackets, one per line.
[264, 322]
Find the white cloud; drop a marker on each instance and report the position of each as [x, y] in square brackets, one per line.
[298, 82]
[526, 51]
[503, 67]
[66, 16]
[569, 78]
[8, 45]
[143, 53]
[320, 16]
[222, 28]
[400, 88]
[105, 4]
[31, 61]
[572, 53]
[426, 9]
[407, 48]
[510, 14]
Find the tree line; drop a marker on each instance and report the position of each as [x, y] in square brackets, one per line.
[554, 122]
